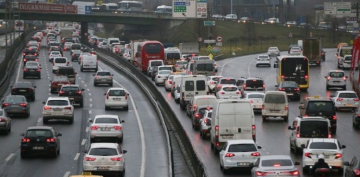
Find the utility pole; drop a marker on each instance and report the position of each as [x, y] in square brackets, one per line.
[231, 7]
[273, 8]
[7, 25]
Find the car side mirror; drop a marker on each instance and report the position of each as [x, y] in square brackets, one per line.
[276, 86]
[85, 151]
[124, 151]
[259, 147]
[82, 89]
[343, 146]
[302, 146]
[90, 120]
[251, 165]
[332, 95]
[93, 74]
[59, 134]
[122, 121]
[44, 102]
[34, 86]
[104, 93]
[346, 163]
[22, 134]
[297, 163]
[300, 107]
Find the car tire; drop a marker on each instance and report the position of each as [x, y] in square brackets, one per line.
[120, 140]
[81, 69]
[45, 121]
[51, 91]
[223, 170]
[264, 118]
[126, 108]
[327, 87]
[341, 171]
[95, 84]
[305, 170]
[111, 84]
[81, 104]
[23, 155]
[344, 88]
[256, 65]
[24, 76]
[33, 98]
[107, 108]
[39, 77]
[286, 119]
[27, 115]
[71, 121]
[54, 154]
[177, 101]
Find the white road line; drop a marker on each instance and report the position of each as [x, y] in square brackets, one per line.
[85, 85]
[90, 99]
[9, 157]
[90, 111]
[79, 77]
[90, 105]
[143, 147]
[89, 94]
[249, 65]
[67, 174]
[39, 120]
[88, 89]
[77, 156]
[83, 142]
[83, 82]
[87, 129]
[18, 72]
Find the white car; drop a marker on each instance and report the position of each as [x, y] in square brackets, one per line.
[345, 100]
[177, 94]
[116, 97]
[238, 154]
[263, 60]
[168, 82]
[67, 46]
[161, 76]
[106, 127]
[336, 78]
[205, 124]
[104, 157]
[54, 54]
[58, 108]
[212, 81]
[295, 51]
[256, 100]
[273, 51]
[59, 61]
[228, 92]
[329, 147]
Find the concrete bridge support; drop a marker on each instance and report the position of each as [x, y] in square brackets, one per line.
[84, 32]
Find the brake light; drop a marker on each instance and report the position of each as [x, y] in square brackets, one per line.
[357, 171]
[339, 99]
[297, 89]
[90, 159]
[24, 54]
[5, 104]
[344, 78]
[286, 108]
[36, 59]
[262, 107]
[255, 154]
[73, 55]
[25, 140]
[251, 101]
[260, 173]
[356, 99]
[338, 156]
[253, 131]
[3, 120]
[159, 77]
[334, 117]
[238, 92]
[50, 140]
[329, 135]
[115, 159]
[281, 89]
[25, 69]
[282, 77]
[47, 107]
[216, 131]
[194, 106]
[94, 127]
[126, 96]
[263, 85]
[205, 120]
[197, 115]
[61, 92]
[297, 132]
[308, 155]
[23, 104]
[229, 155]
[294, 173]
[306, 76]
[169, 82]
[222, 92]
[24, 59]
[212, 82]
[68, 108]
[79, 92]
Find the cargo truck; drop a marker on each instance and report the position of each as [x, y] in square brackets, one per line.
[134, 49]
[189, 48]
[311, 49]
[66, 32]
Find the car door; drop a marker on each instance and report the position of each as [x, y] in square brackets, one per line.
[190, 106]
[293, 132]
[349, 169]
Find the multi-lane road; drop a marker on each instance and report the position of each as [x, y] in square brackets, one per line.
[143, 135]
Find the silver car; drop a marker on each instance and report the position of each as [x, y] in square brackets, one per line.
[256, 99]
[5, 122]
[228, 92]
[106, 127]
[345, 100]
[168, 83]
[273, 51]
[263, 60]
[103, 77]
[104, 158]
[295, 51]
[275, 165]
[205, 124]
[336, 78]
[161, 77]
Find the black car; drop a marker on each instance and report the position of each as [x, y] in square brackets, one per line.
[352, 169]
[30, 51]
[291, 88]
[32, 69]
[356, 120]
[16, 105]
[24, 88]
[74, 92]
[30, 58]
[75, 55]
[323, 55]
[40, 140]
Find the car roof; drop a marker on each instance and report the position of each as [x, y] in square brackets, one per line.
[106, 116]
[254, 78]
[269, 157]
[40, 127]
[71, 85]
[255, 93]
[58, 98]
[328, 140]
[347, 91]
[240, 141]
[275, 92]
[116, 88]
[103, 71]
[313, 118]
[108, 145]
[338, 71]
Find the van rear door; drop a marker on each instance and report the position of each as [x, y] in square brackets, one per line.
[275, 103]
[201, 88]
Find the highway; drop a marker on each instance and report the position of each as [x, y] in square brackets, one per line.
[273, 135]
[143, 135]
[2, 44]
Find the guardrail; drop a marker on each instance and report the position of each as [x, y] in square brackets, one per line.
[11, 56]
[173, 124]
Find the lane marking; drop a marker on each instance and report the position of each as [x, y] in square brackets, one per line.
[85, 85]
[83, 142]
[18, 72]
[88, 89]
[90, 111]
[89, 94]
[90, 99]
[67, 174]
[249, 67]
[79, 77]
[39, 120]
[90, 105]
[9, 157]
[77, 156]
[83, 82]
[87, 129]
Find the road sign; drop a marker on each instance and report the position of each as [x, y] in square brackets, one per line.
[209, 48]
[219, 38]
[88, 9]
[184, 9]
[290, 35]
[47, 8]
[51, 1]
[209, 41]
[311, 35]
[209, 23]
[201, 10]
[216, 49]
[351, 42]
[100, 3]
[337, 8]
[219, 44]
[199, 39]
[211, 56]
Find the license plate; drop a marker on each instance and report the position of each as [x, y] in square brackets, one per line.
[38, 147]
[71, 98]
[226, 137]
[348, 104]
[57, 109]
[22, 90]
[105, 129]
[13, 110]
[103, 79]
[274, 111]
[117, 99]
[336, 81]
[103, 168]
[243, 163]
[32, 70]
[290, 94]
[258, 106]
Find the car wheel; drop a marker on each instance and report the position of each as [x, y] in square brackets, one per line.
[224, 170]
[256, 65]
[327, 87]
[95, 84]
[23, 155]
[264, 118]
[54, 154]
[107, 108]
[45, 121]
[81, 104]
[305, 170]
[81, 69]
[120, 140]
[71, 121]
[344, 88]
[111, 84]
[27, 115]
[126, 108]
[24, 76]
[286, 119]
[33, 98]
[39, 76]
[341, 171]
[215, 150]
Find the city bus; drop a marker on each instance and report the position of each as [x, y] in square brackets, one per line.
[130, 6]
[19, 26]
[293, 68]
[146, 51]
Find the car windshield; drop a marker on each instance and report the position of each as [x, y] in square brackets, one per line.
[103, 74]
[38, 133]
[57, 103]
[164, 72]
[347, 95]
[250, 96]
[320, 106]
[275, 98]
[14, 99]
[316, 129]
[165, 68]
[336, 74]
[22, 85]
[276, 162]
[70, 88]
[216, 79]
[60, 60]
[348, 57]
[323, 145]
[289, 84]
[254, 84]
[103, 152]
[228, 81]
[263, 56]
[116, 93]
[242, 148]
[105, 120]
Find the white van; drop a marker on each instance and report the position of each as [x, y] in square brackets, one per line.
[204, 67]
[153, 63]
[231, 119]
[192, 85]
[275, 104]
[305, 128]
[89, 62]
[112, 40]
[200, 100]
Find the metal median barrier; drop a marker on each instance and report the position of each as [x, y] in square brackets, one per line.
[11, 56]
[173, 124]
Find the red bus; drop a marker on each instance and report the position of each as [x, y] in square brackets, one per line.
[149, 50]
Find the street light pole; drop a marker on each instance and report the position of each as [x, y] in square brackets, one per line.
[273, 8]
[231, 7]
[7, 24]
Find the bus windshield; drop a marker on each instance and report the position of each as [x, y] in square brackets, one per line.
[295, 69]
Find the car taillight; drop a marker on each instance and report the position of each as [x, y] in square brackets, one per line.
[306, 76]
[38, 70]
[281, 89]
[260, 173]
[294, 173]
[255, 154]
[334, 117]
[345, 78]
[205, 120]
[297, 132]
[61, 92]
[36, 59]
[263, 107]
[282, 77]
[107, 95]
[286, 108]
[253, 132]
[238, 92]
[159, 77]
[50, 140]
[212, 82]
[197, 116]
[357, 172]
[339, 99]
[23, 104]
[2, 119]
[338, 155]
[126, 96]
[329, 134]
[67, 63]
[25, 69]
[90, 159]
[264, 86]
[251, 101]
[170, 82]
[94, 127]
[68, 108]
[25, 140]
[5, 104]
[116, 127]
[222, 93]
[79, 92]
[24, 54]
[115, 159]
[24, 59]
[229, 155]
[297, 89]
[216, 131]
[47, 107]
[308, 155]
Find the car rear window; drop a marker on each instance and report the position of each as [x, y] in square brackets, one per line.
[189, 86]
[38, 133]
[318, 129]
[103, 74]
[116, 93]
[165, 68]
[15, 99]
[336, 74]
[202, 111]
[60, 78]
[289, 84]
[348, 58]
[57, 102]
[66, 71]
[275, 98]
[31, 64]
[320, 106]
[230, 89]
[200, 85]
[240, 82]
[75, 47]
[256, 96]
[22, 85]
[228, 81]
[323, 145]
[205, 67]
[276, 162]
[60, 60]
[347, 95]
[106, 121]
[30, 57]
[242, 148]
[103, 152]
[165, 72]
[55, 53]
[156, 63]
[254, 83]
[70, 88]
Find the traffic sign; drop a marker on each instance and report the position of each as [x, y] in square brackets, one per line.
[219, 44]
[219, 38]
[211, 56]
[51, 1]
[209, 41]
[201, 10]
[209, 23]
[88, 9]
[184, 9]
[351, 42]
[311, 34]
[100, 3]
[199, 39]
[337, 8]
[209, 48]
[216, 49]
